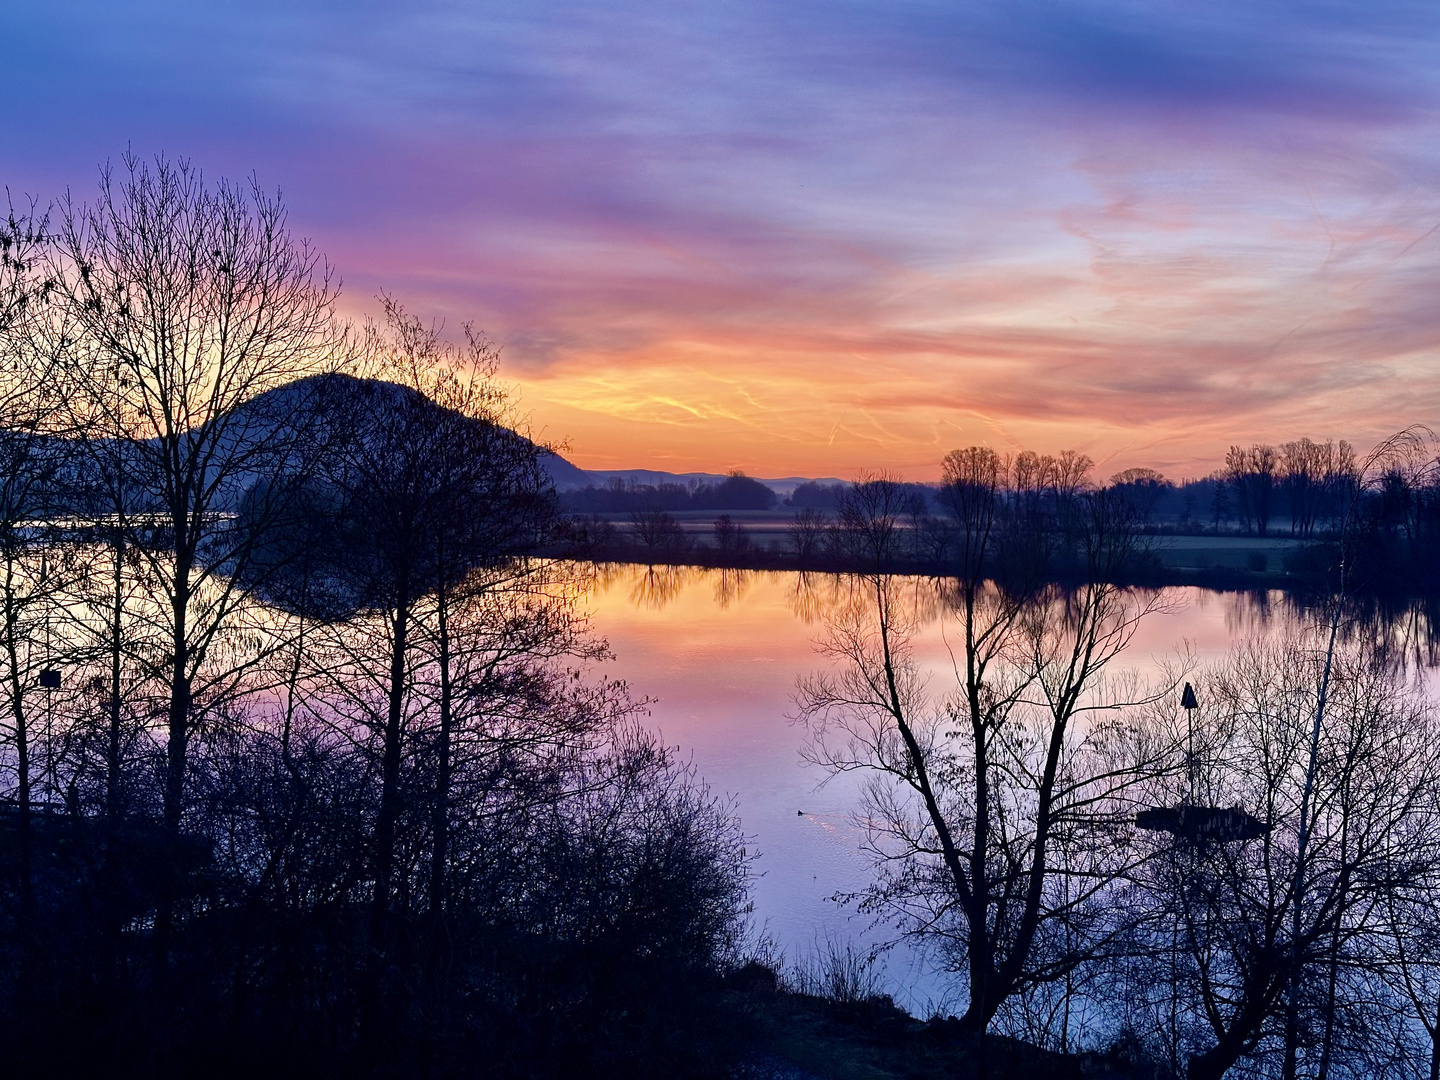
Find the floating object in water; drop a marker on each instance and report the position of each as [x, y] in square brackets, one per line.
[1193, 822]
[1202, 823]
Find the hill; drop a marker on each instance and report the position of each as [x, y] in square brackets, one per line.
[783, 486]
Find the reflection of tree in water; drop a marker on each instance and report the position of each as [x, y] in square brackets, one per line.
[658, 585]
[933, 598]
[1251, 612]
[1406, 633]
[814, 595]
[731, 585]
[605, 576]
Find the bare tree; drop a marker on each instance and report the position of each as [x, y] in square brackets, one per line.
[496, 505]
[657, 530]
[730, 536]
[872, 519]
[1142, 489]
[1409, 957]
[985, 799]
[1355, 823]
[32, 471]
[435, 501]
[1251, 474]
[807, 535]
[194, 305]
[1314, 476]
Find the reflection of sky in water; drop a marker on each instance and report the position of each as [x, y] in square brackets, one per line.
[719, 652]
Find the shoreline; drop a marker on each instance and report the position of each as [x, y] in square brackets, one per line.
[1156, 573]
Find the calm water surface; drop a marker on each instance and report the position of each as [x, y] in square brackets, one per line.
[718, 653]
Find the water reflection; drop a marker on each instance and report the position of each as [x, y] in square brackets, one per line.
[1408, 633]
[651, 588]
[730, 585]
[1251, 612]
[658, 586]
[813, 595]
[717, 654]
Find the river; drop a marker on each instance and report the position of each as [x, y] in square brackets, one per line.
[718, 654]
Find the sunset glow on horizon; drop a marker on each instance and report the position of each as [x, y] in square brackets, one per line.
[810, 239]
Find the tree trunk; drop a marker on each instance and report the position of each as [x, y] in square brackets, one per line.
[177, 746]
[390, 768]
[981, 1008]
[1214, 1063]
[1435, 1044]
[112, 748]
[1235, 1039]
[441, 812]
[22, 769]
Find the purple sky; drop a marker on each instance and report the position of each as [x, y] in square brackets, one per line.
[808, 238]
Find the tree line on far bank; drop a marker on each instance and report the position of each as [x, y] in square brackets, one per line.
[1389, 524]
[1300, 488]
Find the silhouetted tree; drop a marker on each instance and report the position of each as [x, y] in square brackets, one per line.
[731, 537]
[657, 531]
[33, 463]
[1242, 926]
[247, 562]
[736, 492]
[816, 496]
[1220, 502]
[430, 489]
[190, 301]
[1141, 489]
[808, 535]
[872, 522]
[1251, 475]
[1313, 474]
[985, 800]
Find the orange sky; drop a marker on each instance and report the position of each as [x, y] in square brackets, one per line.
[810, 238]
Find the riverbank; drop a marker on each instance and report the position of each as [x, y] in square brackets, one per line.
[800, 1037]
[1220, 562]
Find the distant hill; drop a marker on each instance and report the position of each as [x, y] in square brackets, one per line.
[291, 397]
[565, 476]
[782, 486]
[275, 407]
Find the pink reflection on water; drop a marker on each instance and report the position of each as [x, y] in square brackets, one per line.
[719, 653]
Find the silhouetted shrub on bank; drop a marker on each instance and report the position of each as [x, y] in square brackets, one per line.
[589, 938]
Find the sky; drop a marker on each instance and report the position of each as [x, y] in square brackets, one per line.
[810, 238]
